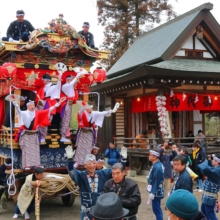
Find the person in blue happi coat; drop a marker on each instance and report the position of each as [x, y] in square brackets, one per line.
[210, 169]
[155, 185]
[90, 181]
[19, 30]
[113, 154]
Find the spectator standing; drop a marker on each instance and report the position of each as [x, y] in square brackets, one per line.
[182, 179]
[108, 206]
[155, 185]
[165, 159]
[126, 189]
[211, 186]
[198, 156]
[183, 205]
[113, 154]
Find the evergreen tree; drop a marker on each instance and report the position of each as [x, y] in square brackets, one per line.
[124, 20]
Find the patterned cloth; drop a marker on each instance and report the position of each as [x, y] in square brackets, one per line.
[29, 144]
[84, 143]
[65, 122]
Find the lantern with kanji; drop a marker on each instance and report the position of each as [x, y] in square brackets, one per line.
[99, 75]
[87, 79]
[82, 87]
[9, 70]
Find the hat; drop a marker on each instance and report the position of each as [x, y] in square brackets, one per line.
[8, 162]
[95, 147]
[144, 132]
[85, 105]
[170, 143]
[20, 13]
[23, 98]
[89, 157]
[30, 102]
[108, 206]
[86, 24]
[46, 76]
[183, 204]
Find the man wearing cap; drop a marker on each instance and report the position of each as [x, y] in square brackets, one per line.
[46, 97]
[126, 189]
[210, 169]
[108, 207]
[90, 181]
[22, 107]
[155, 181]
[30, 121]
[19, 30]
[66, 112]
[87, 35]
[182, 178]
[5, 166]
[88, 122]
[183, 205]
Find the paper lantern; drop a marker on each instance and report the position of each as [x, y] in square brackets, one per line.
[82, 87]
[87, 79]
[99, 75]
[9, 70]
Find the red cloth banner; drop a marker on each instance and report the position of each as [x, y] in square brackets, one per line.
[144, 104]
[206, 103]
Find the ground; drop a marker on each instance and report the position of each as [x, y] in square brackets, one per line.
[53, 209]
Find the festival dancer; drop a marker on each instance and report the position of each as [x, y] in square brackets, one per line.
[90, 181]
[30, 121]
[211, 186]
[88, 122]
[155, 183]
[66, 112]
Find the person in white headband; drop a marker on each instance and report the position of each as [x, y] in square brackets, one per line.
[211, 169]
[19, 30]
[155, 185]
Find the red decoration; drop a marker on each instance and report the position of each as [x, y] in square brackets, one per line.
[9, 70]
[87, 79]
[76, 97]
[99, 75]
[82, 87]
[1, 74]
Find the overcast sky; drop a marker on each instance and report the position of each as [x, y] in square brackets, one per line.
[40, 12]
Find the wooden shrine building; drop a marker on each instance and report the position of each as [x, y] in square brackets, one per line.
[180, 60]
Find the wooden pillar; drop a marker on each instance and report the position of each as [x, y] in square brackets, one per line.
[17, 92]
[85, 97]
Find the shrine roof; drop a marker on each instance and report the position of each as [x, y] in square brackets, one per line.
[190, 65]
[157, 44]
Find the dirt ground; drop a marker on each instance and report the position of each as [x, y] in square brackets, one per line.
[53, 209]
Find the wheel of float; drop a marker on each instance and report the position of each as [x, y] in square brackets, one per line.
[68, 200]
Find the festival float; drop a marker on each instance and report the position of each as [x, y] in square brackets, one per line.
[22, 65]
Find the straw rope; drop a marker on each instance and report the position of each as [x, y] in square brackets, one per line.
[51, 186]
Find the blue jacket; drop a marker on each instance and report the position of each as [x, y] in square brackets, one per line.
[212, 183]
[113, 156]
[156, 179]
[182, 181]
[88, 198]
[165, 160]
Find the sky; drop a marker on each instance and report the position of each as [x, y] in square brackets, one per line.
[75, 12]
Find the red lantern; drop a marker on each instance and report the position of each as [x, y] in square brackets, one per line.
[99, 75]
[82, 87]
[9, 70]
[87, 79]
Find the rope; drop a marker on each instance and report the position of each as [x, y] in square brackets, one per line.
[55, 185]
[11, 178]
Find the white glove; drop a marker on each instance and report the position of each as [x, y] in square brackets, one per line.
[151, 196]
[110, 112]
[57, 105]
[69, 152]
[15, 104]
[10, 40]
[117, 104]
[124, 152]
